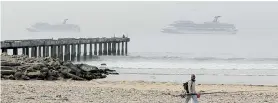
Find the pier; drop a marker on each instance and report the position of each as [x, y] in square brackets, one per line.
[68, 48]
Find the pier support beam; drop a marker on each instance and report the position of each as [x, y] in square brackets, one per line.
[100, 49]
[91, 51]
[52, 51]
[95, 48]
[105, 48]
[85, 52]
[118, 48]
[23, 51]
[36, 51]
[46, 51]
[15, 51]
[60, 52]
[39, 51]
[67, 53]
[125, 48]
[109, 48]
[73, 52]
[4, 50]
[122, 48]
[43, 51]
[33, 52]
[78, 52]
[27, 51]
[114, 48]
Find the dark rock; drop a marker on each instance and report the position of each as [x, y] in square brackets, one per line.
[7, 72]
[24, 77]
[44, 69]
[6, 63]
[33, 74]
[73, 76]
[65, 69]
[11, 77]
[7, 68]
[86, 67]
[18, 75]
[51, 78]
[24, 68]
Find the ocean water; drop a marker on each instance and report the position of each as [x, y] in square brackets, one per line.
[177, 67]
[249, 57]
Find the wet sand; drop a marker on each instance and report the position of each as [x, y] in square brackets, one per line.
[100, 91]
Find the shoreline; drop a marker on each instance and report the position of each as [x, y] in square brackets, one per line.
[103, 91]
[177, 83]
[201, 79]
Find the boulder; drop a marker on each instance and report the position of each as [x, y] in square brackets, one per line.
[20, 67]
[7, 63]
[18, 75]
[7, 68]
[86, 67]
[33, 74]
[7, 72]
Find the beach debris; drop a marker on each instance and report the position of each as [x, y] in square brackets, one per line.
[21, 67]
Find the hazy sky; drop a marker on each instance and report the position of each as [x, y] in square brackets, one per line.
[256, 22]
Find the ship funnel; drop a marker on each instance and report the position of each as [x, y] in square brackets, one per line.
[216, 18]
[65, 20]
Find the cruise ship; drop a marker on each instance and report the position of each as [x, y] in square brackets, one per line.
[45, 27]
[189, 27]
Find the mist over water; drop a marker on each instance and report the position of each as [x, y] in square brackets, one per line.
[245, 57]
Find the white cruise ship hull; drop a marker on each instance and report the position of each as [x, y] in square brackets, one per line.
[173, 31]
[189, 27]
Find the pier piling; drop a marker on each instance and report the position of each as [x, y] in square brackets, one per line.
[73, 52]
[125, 48]
[85, 52]
[15, 51]
[114, 48]
[78, 52]
[122, 48]
[27, 51]
[46, 51]
[109, 48]
[95, 48]
[91, 50]
[118, 49]
[100, 48]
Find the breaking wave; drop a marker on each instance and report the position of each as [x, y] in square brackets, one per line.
[188, 57]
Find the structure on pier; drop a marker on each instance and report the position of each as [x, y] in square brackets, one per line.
[68, 48]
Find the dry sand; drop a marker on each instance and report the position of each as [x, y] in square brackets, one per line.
[99, 91]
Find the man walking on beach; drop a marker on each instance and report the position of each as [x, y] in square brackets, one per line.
[192, 92]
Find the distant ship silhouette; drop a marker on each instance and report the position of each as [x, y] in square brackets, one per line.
[189, 27]
[45, 27]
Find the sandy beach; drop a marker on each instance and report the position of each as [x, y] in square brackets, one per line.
[100, 91]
